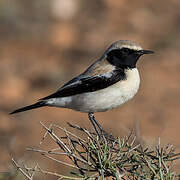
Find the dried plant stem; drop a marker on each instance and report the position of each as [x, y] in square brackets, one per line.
[94, 158]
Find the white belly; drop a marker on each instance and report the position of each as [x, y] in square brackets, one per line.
[105, 99]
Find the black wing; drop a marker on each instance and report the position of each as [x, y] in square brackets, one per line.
[83, 84]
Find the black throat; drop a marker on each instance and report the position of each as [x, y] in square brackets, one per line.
[124, 58]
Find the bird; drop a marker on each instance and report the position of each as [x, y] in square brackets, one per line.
[112, 80]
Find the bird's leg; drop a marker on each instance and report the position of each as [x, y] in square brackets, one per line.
[94, 123]
[97, 123]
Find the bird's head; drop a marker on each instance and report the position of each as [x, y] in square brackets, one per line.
[125, 53]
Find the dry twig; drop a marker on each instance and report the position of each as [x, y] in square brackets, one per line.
[96, 158]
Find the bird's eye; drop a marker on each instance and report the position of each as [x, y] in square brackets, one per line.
[125, 50]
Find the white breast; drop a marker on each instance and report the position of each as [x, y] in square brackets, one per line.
[105, 99]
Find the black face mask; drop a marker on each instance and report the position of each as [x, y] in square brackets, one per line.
[123, 58]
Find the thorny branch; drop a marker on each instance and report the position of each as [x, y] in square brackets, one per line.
[96, 158]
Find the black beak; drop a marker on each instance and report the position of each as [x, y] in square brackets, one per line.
[146, 52]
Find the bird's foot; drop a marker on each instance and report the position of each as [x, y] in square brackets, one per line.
[107, 136]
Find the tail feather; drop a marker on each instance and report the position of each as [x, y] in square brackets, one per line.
[26, 108]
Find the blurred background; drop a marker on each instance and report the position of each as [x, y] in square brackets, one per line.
[45, 43]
